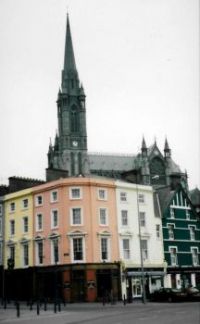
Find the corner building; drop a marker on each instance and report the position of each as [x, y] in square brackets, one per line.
[75, 239]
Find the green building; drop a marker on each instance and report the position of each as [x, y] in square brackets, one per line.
[181, 236]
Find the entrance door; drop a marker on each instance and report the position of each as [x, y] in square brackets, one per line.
[78, 284]
[136, 287]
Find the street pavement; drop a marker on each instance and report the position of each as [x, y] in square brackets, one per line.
[134, 313]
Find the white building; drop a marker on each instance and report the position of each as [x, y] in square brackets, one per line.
[140, 239]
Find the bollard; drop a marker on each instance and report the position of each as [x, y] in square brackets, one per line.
[38, 308]
[59, 306]
[124, 300]
[18, 309]
[55, 307]
[45, 305]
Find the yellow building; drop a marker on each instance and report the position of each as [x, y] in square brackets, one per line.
[18, 229]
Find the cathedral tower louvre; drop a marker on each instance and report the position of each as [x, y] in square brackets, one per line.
[68, 155]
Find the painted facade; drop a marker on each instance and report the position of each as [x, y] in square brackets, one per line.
[181, 234]
[135, 203]
[75, 230]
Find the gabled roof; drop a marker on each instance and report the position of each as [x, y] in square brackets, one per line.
[111, 162]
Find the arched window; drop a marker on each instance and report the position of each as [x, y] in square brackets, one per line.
[157, 167]
[74, 120]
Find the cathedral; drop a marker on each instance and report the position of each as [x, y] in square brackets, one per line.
[69, 156]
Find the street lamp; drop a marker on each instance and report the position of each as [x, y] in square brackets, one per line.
[140, 243]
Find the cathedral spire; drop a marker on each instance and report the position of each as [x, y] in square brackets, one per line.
[167, 150]
[144, 147]
[69, 74]
[69, 59]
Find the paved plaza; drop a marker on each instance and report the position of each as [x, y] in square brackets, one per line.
[134, 313]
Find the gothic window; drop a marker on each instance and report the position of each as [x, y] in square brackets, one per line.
[157, 167]
[74, 120]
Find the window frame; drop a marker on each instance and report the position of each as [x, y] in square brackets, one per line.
[123, 196]
[25, 226]
[52, 198]
[176, 255]
[38, 229]
[81, 251]
[142, 220]
[124, 217]
[105, 216]
[105, 195]
[72, 197]
[107, 240]
[12, 227]
[127, 250]
[54, 212]
[72, 216]
[37, 202]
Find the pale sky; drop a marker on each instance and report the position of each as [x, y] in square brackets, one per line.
[139, 64]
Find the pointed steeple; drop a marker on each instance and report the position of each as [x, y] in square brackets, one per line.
[144, 147]
[69, 59]
[167, 151]
[70, 77]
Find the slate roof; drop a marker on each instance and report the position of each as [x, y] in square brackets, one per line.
[98, 161]
[165, 196]
[195, 196]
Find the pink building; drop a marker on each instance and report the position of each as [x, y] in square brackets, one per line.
[76, 241]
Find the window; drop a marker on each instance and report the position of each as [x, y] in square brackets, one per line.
[12, 227]
[126, 248]
[1, 227]
[142, 219]
[25, 203]
[54, 251]
[144, 249]
[103, 216]
[158, 231]
[171, 212]
[25, 254]
[102, 194]
[54, 218]
[1, 209]
[195, 258]
[12, 252]
[75, 193]
[187, 214]
[123, 196]
[39, 222]
[39, 251]
[104, 248]
[173, 256]
[78, 249]
[39, 200]
[25, 224]
[171, 231]
[192, 232]
[54, 196]
[1, 252]
[141, 198]
[12, 207]
[76, 216]
[124, 217]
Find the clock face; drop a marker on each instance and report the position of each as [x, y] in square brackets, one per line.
[75, 143]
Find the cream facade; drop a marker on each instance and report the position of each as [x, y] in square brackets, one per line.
[140, 233]
[18, 226]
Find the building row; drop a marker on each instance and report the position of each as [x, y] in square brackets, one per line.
[84, 238]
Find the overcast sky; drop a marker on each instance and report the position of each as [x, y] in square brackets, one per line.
[139, 64]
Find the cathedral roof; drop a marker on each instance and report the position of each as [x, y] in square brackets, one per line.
[195, 196]
[116, 162]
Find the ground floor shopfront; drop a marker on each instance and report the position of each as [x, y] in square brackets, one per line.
[69, 283]
[132, 285]
[179, 277]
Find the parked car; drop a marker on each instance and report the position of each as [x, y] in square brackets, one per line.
[193, 294]
[169, 294]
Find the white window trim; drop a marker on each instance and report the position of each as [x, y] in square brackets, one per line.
[171, 224]
[25, 207]
[14, 204]
[71, 216]
[23, 224]
[75, 198]
[158, 237]
[52, 219]
[51, 196]
[72, 248]
[23, 263]
[108, 246]
[12, 221]
[1, 209]
[37, 229]
[195, 248]
[37, 252]
[141, 198]
[123, 201]
[144, 219]
[52, 250]
[176, 248]
[106, 216]
[124, 225]
[192, 226]
[106, 194]
[122, 248]
[36, 200]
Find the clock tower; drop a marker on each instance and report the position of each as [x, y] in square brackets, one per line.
[68, 155]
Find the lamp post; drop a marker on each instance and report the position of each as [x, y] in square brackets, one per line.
[140, 244]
